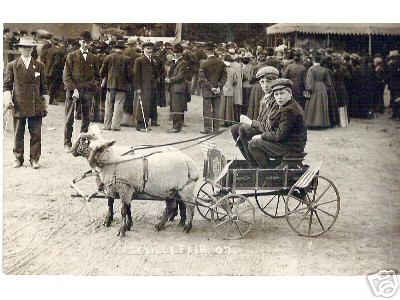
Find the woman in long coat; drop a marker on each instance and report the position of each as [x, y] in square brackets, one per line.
[317, 107]
[326, 62]
[357, 81]
[226, 110]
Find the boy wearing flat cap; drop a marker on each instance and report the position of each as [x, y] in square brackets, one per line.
[25, 92]
[287, 133]
[248, 128]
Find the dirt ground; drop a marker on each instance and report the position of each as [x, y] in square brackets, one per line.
[45, 231]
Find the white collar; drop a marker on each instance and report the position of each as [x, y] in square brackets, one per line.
[148, 57]
[26, 61]
[82, 51]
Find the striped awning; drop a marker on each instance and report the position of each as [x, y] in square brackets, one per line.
[337, 28]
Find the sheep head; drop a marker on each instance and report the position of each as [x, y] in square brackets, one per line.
[81, 146]
[97, 150]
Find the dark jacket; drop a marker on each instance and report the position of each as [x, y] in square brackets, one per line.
[297, 73]
[133, 55]
[28, 86]
[116, 69]
[212, 74]
[177, 76]
[80, 73]
[289, 127]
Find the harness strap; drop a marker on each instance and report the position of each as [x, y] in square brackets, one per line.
[145, 172]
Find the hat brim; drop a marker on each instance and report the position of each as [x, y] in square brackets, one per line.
[280, 87]
[26, 45]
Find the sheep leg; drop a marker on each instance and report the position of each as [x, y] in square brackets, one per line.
[187, 194]
[124, 211]
[182, 212]
[161, 225]
[110, 213]
[129, 215]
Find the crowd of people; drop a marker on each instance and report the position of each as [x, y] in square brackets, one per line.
[123, 82]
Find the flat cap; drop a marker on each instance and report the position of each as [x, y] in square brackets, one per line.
[267, 70]
[281, 83]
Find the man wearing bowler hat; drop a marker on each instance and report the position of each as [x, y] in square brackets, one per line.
[212, 78]
[176, 79]
[145, 83]
[116, 71]
[25, 92]
[287, 132]
[81, 80]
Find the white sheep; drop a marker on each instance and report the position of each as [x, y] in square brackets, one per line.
[167, 175]
[81, 148]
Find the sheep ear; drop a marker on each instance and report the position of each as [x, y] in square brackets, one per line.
[95, 130]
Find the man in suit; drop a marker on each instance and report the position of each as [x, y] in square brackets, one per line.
[81, 80]
[25, 92]
[297, 73]
[145, 83]
[116, 71]
[287, 132]
[132, 53]
[212, 78]
[176, 80]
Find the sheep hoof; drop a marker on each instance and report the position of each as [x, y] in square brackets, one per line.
[187, 228]
[129, 226]
[107, 221]
[182, 222]
[121, 232]
[158, 227]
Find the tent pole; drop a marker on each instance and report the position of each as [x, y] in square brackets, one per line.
[370, 45]
[295, 39]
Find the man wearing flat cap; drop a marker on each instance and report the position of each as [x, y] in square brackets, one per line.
[25, 92]
[117, 72]
[81, 79]
[248, 128]
[287, 132]
[212, 78]
[176, 80]
[145, 83]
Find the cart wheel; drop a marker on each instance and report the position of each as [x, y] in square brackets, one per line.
[239, 217]
[273, 205]
[206, 194]
[320, 210]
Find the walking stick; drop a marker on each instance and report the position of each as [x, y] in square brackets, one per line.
[141, 106]
[5, 121]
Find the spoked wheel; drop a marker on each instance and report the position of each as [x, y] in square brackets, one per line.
[206, 194]
[274, 205]
[320, 209]
[239, 217]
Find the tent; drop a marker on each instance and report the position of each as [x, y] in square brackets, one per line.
[336, 28]
[358, 29]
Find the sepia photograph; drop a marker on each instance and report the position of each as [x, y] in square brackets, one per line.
[202, 149]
